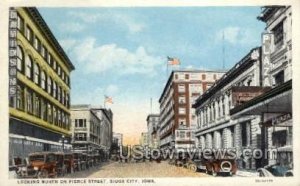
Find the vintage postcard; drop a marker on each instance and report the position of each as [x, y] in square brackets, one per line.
[153, 93]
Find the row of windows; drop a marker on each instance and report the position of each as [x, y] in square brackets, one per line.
[33, 72]
[209, 113]
[38, 106]
[80, 123]
[41, 49]
[193, 76]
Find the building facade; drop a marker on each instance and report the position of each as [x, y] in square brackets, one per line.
[153, 128]
[216, 128]
[118, 139]
[144, 139]
[177, 117]
[39, 86]
[275, 106]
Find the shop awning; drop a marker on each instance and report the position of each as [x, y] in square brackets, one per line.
[276, 100]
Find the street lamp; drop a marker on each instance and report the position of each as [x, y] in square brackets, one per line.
[63, 141]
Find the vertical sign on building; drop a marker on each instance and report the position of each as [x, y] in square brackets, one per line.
[267, 39]
[12, 56]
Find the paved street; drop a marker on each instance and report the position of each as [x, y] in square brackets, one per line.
[146, 169]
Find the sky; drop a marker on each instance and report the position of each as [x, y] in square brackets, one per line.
[122, 52]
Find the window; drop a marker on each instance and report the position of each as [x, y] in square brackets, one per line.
[58, 93]
[279, 78]
[181, 99]
[63, 97]
[43, 80]
[67, 100]
[186, 76]
[203, 76]
[59, 118]
[278, 34]
[54, 64]
[49, 82]
[43, 110]
[37, 106]
[20, 98]
[181, 111]
[215, 76]
[181, 88]
[182, 134]
[20, 23]
[223, 106]
[28, 34]
[54, 116]
[244, 134]
[29, 102]
[20, 58]
[80, 136]
[182, 122]
[43, 51]
[82, 123]
[58, 70]
[28, 71]
[49, 109]
[37, 43]
[63, 75]
[49, 59]
[176, 76]
[54, 89]
[36, 73]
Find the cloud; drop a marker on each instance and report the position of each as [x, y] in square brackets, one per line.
[237, 35]
[111, 57]
[119, 19]
[71, 27]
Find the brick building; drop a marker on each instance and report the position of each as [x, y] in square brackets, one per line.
[177, 117]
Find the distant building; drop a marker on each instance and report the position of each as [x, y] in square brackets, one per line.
[177, 117]
[39, 86]
[118, 139]
[153, 130]
[91, 129]
[144, 139]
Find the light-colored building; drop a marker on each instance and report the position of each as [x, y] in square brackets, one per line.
[91, 129]
[153, 130]
[177, 117]
[144, 139]
[216, 129]
[39, 86]
[275, 105]
[118, 139]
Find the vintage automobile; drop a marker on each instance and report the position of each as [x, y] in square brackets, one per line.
[40, 165]
[215, 166]
[60, 163]
[275, 170]
[69, 162]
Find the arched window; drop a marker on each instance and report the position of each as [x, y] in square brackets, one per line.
[28, 70]
[49, 82]
[54, 89]
[36, 73]
[20, 58]
[43, 80]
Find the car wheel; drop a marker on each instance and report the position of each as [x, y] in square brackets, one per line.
[42, 174]
[213, 172]
[193, 168]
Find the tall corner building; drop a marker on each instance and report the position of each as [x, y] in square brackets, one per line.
[177, 117]
[39, 86]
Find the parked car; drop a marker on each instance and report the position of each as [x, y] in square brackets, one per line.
[275, 170]
[69, 162]
[221, 165]
[41, 165]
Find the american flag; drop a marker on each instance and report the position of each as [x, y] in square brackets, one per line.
[108, 100]
[173, 61]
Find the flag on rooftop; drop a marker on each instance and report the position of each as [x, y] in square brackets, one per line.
[173, 61]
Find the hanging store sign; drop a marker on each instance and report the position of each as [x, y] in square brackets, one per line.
[13, 16]
[278, 120]
[267, 39]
